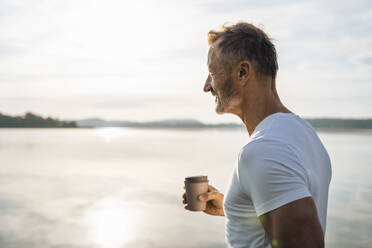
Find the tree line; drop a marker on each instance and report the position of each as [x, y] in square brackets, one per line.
[32, 120]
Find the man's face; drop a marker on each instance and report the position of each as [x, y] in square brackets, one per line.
[219, 82]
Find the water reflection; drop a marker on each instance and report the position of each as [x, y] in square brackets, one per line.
[112, 223]
[110, 133]
[118, 187]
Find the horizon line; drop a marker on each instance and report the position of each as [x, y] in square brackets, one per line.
[170, 118]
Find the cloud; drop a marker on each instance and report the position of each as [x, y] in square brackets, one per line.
[239, 5]
[6, 204]
[94, 101]
[47, 77]
[8, 49]
[367, 60]
[130, 101]
[181, 54]
[9, 8]
[56, 56]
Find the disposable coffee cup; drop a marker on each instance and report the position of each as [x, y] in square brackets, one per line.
[195, 186]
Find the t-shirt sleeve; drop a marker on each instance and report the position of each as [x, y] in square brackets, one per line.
[272, 175]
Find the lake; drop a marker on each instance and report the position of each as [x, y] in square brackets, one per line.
[122, 187]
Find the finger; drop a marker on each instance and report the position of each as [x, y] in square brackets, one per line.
[211, 188]
[186, 207]
[208, 196]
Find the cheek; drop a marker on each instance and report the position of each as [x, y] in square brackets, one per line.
[217, 83]
[228, 88]
[213, 86]
[213, 83]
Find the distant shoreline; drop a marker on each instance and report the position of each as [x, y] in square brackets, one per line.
[326, 124]
[30, 120]
[222, 130]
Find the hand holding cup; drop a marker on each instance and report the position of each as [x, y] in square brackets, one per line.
[210, 201]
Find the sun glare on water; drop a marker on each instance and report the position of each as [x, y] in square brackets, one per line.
[111, 133]
[112, 223]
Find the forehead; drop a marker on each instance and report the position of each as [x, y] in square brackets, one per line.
[212, 54]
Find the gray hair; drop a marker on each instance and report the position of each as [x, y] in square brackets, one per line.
[244, 41]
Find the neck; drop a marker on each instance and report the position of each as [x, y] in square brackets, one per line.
[257, 107]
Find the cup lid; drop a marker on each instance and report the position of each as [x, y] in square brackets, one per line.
[196, 179]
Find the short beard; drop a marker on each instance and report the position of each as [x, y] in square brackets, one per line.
[228, 93]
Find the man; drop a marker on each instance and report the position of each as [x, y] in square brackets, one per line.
[278, 192]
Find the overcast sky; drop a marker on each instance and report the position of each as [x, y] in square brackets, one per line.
[146, 60]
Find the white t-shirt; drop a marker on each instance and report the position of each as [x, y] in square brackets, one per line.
[284, 161]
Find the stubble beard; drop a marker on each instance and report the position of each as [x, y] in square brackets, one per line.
[219, 106]
[227, 94]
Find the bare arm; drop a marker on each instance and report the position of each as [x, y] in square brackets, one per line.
[295, 224]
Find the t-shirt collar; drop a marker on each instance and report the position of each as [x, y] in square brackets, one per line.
[262, 124]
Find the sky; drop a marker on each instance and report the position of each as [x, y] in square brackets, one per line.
[146, 60]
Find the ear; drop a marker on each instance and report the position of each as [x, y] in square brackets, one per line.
[245, 71]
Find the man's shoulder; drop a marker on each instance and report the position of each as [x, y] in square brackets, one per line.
[254, 147]
[259, 152]
[263, 146]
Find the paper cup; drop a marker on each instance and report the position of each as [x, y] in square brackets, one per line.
[195, 186]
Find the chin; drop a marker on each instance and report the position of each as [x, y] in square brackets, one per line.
[220, 109]
[219, 112]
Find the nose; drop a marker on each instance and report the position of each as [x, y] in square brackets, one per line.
[207, 85]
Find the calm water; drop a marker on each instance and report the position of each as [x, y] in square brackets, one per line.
[117, 187]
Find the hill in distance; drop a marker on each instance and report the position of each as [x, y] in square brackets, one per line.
[171, 123]
[318, 123]
[33, 120]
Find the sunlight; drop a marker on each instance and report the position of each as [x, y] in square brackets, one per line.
[112, 223]
[110, 133]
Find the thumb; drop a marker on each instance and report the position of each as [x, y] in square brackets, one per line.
[207, 196]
